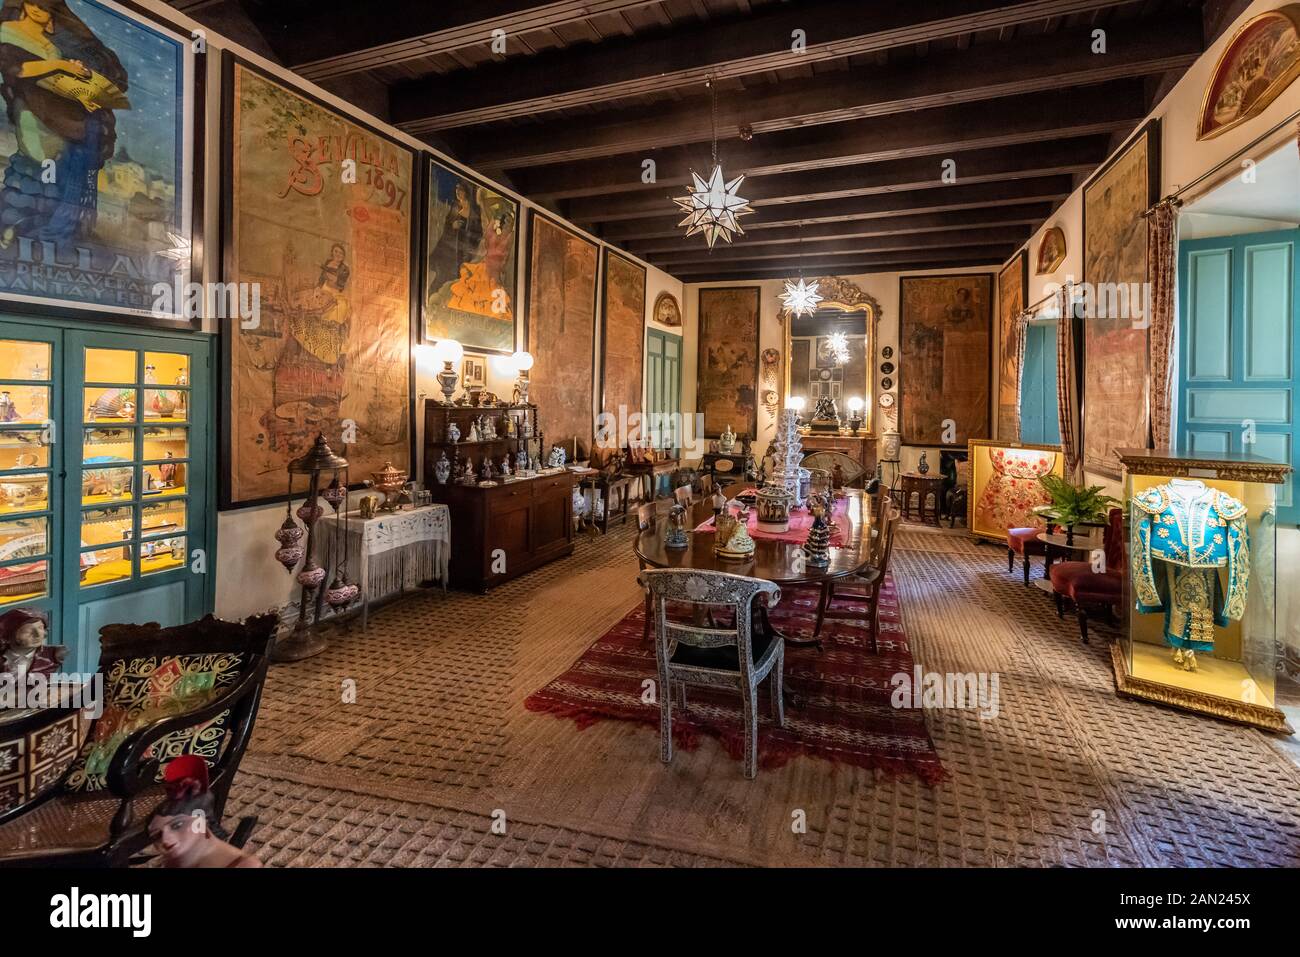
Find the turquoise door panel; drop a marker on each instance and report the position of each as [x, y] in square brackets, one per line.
[1039, 418]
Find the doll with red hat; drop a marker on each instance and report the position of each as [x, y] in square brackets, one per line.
[23, 650]
[184, 827]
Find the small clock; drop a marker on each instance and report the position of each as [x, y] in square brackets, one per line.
[886, 400]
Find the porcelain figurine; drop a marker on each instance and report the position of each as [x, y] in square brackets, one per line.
[442, 469]
[727, 441]
[556, 460]
[453, 432]
[485, 470]
[511, 431]
[466, 476]
[505, 464]
[490, 428]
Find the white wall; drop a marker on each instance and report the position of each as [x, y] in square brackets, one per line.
[249, 579]
[883, 286]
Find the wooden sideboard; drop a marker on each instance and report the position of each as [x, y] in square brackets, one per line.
[530, 520]
[861, 447]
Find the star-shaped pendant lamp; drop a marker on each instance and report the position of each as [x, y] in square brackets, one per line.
[800, 298]
[714, 206]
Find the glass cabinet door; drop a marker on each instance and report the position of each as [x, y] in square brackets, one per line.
[29, 484]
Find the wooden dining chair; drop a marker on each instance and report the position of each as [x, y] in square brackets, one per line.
[685, 496]
[869, 579]
[736, 656]
[646, 521]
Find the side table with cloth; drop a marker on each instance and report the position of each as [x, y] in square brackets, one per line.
[392, 551]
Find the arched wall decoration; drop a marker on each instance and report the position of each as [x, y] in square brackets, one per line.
[839, 293]
[1051, 251]
[1260, 61]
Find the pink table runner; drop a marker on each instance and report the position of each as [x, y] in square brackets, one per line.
[800, 521]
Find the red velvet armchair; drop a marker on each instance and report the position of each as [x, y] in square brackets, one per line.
[1088, 590]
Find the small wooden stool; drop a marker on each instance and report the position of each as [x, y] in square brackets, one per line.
[618, 486]
[924, 486]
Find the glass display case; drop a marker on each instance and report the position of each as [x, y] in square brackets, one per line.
[1201, 584]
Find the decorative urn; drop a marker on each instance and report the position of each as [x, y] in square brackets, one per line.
[923, 467]
[442, 469]
[390, 481]
[891, 444]
[774, 508]
[727, 441]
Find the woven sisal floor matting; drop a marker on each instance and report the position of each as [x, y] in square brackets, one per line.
[437, 756]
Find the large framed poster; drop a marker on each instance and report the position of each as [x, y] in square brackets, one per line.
[1115, 363]
[100, 147]
[469, 262]
[944, 332]
[560, 305]
[622, 339]
[1013, 283]
[318, 216]
[727, 393]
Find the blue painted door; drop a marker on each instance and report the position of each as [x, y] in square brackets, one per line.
[104, 491]
[1039, 418]
[1238, 350]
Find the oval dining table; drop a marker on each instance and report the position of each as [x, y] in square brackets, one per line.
[776, 561]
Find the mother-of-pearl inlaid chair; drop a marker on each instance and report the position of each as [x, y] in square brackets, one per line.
[732, 656]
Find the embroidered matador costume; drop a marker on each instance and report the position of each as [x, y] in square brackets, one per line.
[1183, 533]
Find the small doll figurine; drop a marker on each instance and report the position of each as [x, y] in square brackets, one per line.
[150, 374]
[185, 828]
[505, 464]
[167, 472]
[475, 435]
[485, 473]
[23, 650]
[8, 411]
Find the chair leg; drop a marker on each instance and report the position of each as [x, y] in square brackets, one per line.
[1011, 561]
[822, 604]
[665, 719]
[778, 689]
[751, 733]
[1082, 614]
[875, 623]
[1060, 605]
[1026, 566]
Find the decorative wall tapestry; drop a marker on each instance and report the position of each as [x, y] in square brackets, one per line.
[1013, 281]
[946, 340]
[1115, 271]
[728, 360]
[667, 311]
[1051, 251]
[1004, 486]
[469, 264]
[560, 303]
[334, 264]
[108, 97]
[1259, 62]
[622, 336]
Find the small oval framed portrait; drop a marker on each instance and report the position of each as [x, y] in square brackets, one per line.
[667, 311]
[886, 368]
[887, 352]
[886, 383]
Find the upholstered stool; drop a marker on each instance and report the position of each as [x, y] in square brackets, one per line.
[1087, 589]
[1024, 542]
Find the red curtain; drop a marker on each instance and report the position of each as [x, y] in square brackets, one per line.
[1067, 379]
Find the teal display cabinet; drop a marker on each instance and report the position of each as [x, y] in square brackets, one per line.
[107, 501]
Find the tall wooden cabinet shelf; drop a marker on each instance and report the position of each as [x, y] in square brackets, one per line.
[506, 529]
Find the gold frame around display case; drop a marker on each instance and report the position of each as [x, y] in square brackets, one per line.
[1201, 581]
[979, 453]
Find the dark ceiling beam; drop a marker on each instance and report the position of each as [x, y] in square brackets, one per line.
[1079, 155]
[938, 224]
[1042, 189]
[319, 47]
[691, 253]
[1033, 118]
[665, 60]
[690, 272]
[846, 269]
[983, 72]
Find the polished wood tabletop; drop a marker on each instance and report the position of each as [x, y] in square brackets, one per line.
[772, 560]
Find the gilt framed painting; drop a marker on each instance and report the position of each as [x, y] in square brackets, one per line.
[946, 342]
[471, 236]
[1115, 350]
[319, 218]
[1013, 282]
[101, 143]
[560, 331]
[622, 339]
[727, 393]
[1260, 61]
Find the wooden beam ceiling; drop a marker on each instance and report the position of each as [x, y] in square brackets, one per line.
[980, 73]
[665, 60]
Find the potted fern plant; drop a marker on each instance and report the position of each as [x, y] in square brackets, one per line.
[1073, 505]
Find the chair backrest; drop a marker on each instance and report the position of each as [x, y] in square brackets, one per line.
[685, 496]
[884, 508]
[1113, 540]
[696, 587]
[645, 517]
[845, 470]
[886, 548]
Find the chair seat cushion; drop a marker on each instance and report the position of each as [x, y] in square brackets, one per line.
[73, 823]
[723, 657]
[1078, 581]
[1024, 541]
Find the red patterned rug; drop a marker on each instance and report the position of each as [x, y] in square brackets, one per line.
[837, 700]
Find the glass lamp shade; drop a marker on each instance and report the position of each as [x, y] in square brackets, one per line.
[855, 404]
[449, 350]
[523, 361]
[795, 402]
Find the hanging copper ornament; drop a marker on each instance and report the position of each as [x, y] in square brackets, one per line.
[335, 494]
[311, 575]
[289, 556]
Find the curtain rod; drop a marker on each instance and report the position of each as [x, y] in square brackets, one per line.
[1033, 306]
[1176, 196]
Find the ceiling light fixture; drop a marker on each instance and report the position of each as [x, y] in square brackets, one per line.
[713, 206]
[801, 298]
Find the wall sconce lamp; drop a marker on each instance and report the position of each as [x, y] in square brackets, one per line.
[449, 352]
[855, 413]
